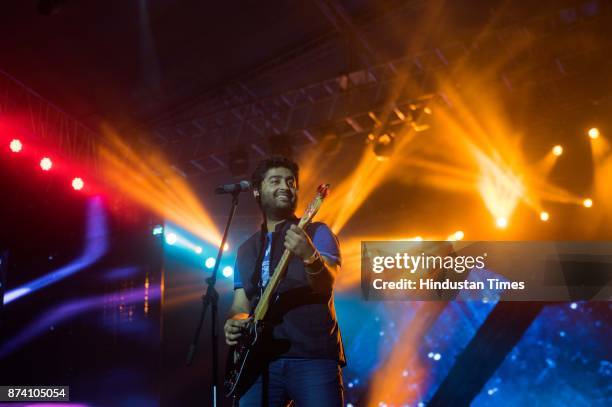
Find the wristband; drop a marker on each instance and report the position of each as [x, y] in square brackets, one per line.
[309, 261]
[317, 265]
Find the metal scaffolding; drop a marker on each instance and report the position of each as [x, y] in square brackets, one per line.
[46, 123]
[199, 139]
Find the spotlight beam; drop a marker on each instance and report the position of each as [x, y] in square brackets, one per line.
[147, 178]
[96, 246]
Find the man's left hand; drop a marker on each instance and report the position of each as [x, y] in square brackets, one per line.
[298, 242]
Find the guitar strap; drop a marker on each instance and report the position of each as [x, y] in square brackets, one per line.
[256, 276]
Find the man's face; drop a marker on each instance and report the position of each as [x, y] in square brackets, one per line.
[278, 193]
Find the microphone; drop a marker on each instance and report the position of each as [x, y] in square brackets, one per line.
[241, 186]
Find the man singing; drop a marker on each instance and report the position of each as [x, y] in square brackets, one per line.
[304, 355]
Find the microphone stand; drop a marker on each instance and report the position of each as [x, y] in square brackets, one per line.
[211, 298]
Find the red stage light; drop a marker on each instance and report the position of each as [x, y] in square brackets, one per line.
[77, 184]
[15, 146]
[46, 164]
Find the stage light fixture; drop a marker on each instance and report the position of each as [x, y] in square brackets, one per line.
[171, 238]
[459, 235]
[557, 150]
[197, 249]
[593, 133]
[210, 262]
[417, 116]
[588, 202]
[383, 146]
[16, 146]
[228, 271]
[158, 230]
[544, 216]
[77, 184]
[46, 164]
[501, 223]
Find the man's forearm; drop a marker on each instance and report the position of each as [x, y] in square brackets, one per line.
[321, 274]
[240, 304]
[234, 311]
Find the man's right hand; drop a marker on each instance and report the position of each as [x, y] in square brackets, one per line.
[233, 328]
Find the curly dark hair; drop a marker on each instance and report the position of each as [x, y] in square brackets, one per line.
[276, 161]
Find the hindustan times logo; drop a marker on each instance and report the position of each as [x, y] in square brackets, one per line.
[404, 261]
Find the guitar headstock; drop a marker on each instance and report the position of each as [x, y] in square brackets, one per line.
[313, 207]
[323, 190]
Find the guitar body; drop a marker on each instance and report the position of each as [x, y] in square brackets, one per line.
[242, 361]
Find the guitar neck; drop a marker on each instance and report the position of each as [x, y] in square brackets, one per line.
[279, 272]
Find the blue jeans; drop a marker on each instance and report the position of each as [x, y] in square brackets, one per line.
[308, 382]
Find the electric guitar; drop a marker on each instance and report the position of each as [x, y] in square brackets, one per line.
[242, 360]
